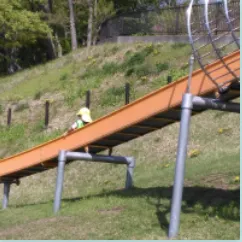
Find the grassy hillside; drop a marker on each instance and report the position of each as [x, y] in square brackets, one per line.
[95, 206]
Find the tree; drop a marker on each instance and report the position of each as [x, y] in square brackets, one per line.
[103, 10]
[72, 26]
[90, 23]
[18, 28]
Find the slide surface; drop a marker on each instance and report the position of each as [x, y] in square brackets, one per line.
[147, 114]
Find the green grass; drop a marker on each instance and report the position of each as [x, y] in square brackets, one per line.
[103, 211]
[95, 205]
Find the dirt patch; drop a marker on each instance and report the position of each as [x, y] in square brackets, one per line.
[219, 181]
[20, 228]
[114, 210]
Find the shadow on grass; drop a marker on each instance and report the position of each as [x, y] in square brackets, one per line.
[202, 200]
[208, 202]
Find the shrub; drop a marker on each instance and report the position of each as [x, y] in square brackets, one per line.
[63, 76]
[142, 70]
[162, 67]
[130, 71]
[177, 73]
[114, 50]
[110, 68]
[112, 96]
[37, 95]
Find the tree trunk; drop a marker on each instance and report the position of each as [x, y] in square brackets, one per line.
[51, 50]
[59, 47]
[95, 31]
[90, 23]
[13, 66]
[50, 6]
[72, 26]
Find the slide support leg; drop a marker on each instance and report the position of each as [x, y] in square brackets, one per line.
[130, 172]
[59, 180]
[180, 165]
[6, 190]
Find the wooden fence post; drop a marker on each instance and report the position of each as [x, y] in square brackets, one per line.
[47, 105]
[9, 118]
[127, 91]
[88, 100]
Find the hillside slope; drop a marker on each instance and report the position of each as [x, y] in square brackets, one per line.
[95, 206]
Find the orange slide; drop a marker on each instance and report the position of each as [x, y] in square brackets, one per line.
[147, 114]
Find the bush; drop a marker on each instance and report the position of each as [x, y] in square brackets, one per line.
[137, 58]
[37, 95]
[162, 67]
[112, 96]
[63, 76]
[143, 70]
[130, 71]
[110, 68]
[114, 50]
[177, 73]
[128, 53]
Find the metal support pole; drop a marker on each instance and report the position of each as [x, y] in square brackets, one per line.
[59, 180]
[110, 151]
[66, 155]
[99, 158]
[130, 172]
[180, 165]
[215, 104]
[6, 190]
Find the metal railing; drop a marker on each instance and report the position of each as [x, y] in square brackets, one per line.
[216, 46]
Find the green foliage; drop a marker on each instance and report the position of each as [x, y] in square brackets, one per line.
[112, 96]
[70, 97]
[142, 70]
[12, 134]
[137, 58]
[1, 108]
[64, 76]
[128, 53]
[20, 26]
[110, 68]
[177, 73]
[39, 126]
[114, 50]
[159, 82]
[129, 71]
[162, 66]
[37, 95]
[178, 45]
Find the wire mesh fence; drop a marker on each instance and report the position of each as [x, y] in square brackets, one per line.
[167, 21]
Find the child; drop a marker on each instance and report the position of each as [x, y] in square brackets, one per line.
[83, 118]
